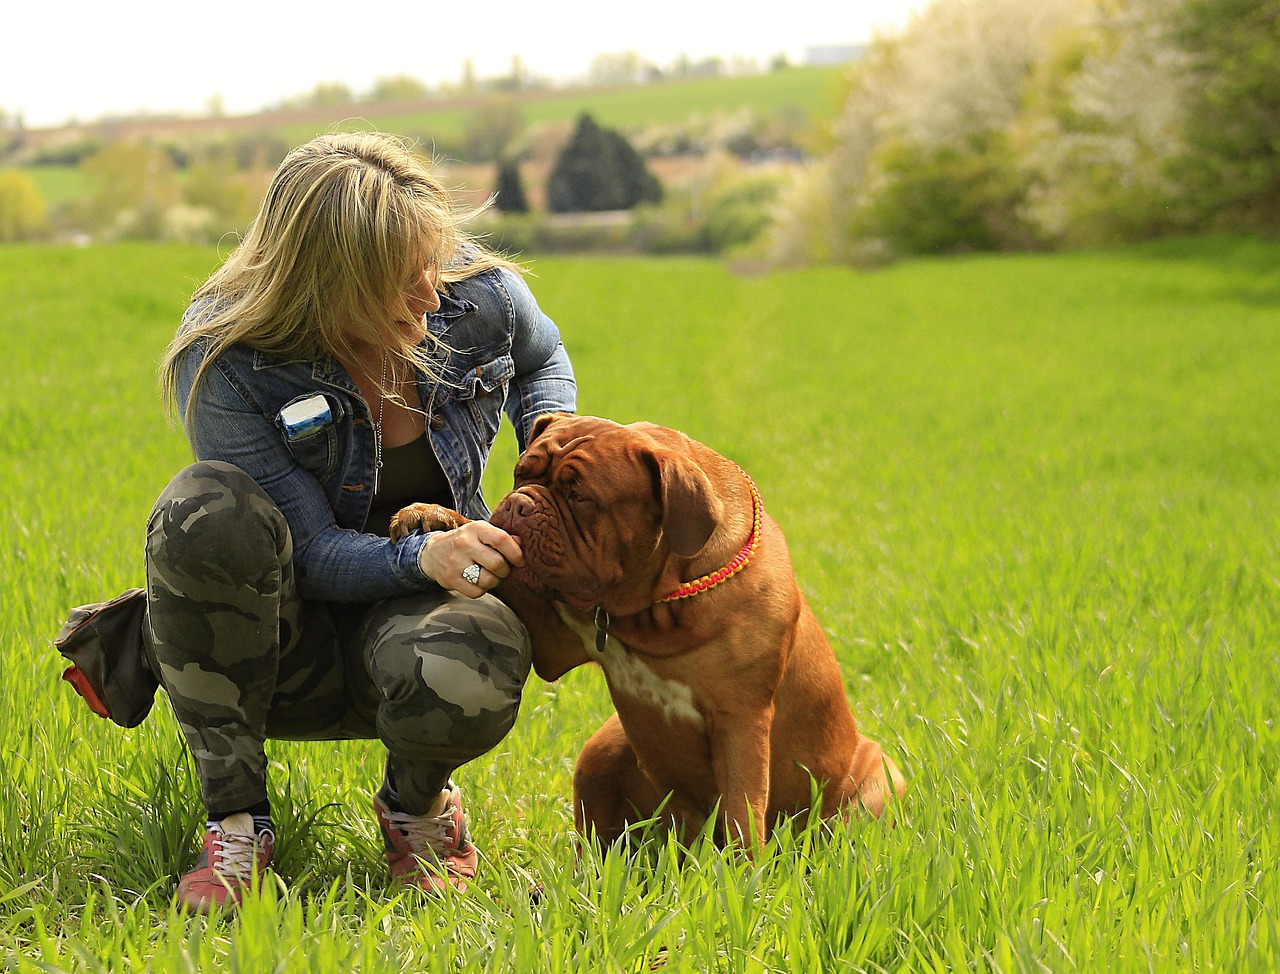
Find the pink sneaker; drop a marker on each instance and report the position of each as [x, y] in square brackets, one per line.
[429, 851]
[232, 857]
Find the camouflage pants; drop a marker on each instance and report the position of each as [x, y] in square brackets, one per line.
[435, 676]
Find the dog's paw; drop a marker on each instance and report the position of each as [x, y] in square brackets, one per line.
[425, 517]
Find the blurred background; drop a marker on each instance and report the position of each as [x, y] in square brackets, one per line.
[857, 137]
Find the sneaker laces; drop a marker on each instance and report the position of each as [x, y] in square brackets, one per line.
[237, 852]
[425, 832]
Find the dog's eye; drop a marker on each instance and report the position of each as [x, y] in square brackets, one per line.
[529, 468]
[576, 495]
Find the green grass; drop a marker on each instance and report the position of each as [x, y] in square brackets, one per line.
[58, 184]
[1036, 504]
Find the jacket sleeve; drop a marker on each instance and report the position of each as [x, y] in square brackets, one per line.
[333, 564]
[544, 381]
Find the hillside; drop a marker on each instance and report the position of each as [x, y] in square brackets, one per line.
[212, 170]
[810, 93]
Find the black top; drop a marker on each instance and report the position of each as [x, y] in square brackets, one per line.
[410, 473]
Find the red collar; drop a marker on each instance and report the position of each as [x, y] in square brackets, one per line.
[739, 562]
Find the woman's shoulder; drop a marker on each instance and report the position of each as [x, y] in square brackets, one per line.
[241, 360]
[494, 279]
[199, 311]
[489, 300]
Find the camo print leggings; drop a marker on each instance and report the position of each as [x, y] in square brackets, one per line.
[435, 676]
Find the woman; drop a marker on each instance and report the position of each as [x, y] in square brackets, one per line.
[355, 352]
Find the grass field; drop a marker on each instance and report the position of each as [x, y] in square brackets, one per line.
[1034, 500]
[59, 184]
[814, 92]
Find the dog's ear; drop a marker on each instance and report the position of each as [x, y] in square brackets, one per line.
[691, 510]
[544, 422]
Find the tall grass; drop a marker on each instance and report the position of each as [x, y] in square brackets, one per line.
[1034, 500]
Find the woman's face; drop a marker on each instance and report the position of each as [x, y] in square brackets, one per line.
[422, 299]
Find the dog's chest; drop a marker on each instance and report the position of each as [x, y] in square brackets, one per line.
[630, 676]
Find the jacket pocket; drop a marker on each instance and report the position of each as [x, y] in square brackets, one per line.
[309, 425]
[487, 378]
[482, 392]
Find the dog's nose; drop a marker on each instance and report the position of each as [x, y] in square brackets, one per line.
[522, 504]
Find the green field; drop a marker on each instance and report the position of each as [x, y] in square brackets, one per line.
[1035, 502]
[812, 92]
[58, 184]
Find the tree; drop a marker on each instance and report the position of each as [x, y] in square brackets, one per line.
[493, 129]
[132, 187]
[738, 205]
[327, 94]
[215, 186]
[949, 86]
[1104, 119]
[599, 170]
[625, 68]
[23, 214]
[1233, 127]
[400, 87]
[509, 197]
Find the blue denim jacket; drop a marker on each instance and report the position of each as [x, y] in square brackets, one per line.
[506, 355]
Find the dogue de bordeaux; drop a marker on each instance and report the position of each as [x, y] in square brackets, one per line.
[651, 554]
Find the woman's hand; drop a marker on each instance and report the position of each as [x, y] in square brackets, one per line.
[447, 554]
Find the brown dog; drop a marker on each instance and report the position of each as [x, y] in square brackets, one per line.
[651, 554]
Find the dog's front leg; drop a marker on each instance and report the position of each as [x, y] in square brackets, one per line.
[740, 753]
[424, 517]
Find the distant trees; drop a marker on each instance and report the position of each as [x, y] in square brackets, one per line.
[1233, 111]
[132, 187]
[509, 195]
[493, 129]
[23, 214]
[327, 94]
[921, 160]
[1102, 120]
[399, 87]
[623, 68]
[599, 170]
[984, 125]
[220, 194]
[1008, 124]
[134, 192]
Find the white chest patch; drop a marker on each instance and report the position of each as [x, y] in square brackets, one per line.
[630, 676]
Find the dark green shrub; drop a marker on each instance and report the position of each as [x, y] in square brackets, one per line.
[599, 170]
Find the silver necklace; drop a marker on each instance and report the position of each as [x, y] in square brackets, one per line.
[377, 425]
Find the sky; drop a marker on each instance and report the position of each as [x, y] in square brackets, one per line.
[64, 62]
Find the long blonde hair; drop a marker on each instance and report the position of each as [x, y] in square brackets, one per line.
[347, 224]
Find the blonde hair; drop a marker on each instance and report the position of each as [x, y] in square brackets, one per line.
[347, 225]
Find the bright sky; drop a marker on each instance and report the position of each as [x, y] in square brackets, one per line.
[83, 61]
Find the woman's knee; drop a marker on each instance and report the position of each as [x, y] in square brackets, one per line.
[213, 520]
[454, 675]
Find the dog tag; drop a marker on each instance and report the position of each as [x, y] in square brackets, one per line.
[602, 628]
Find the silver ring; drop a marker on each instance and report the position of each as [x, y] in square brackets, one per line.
[472, 573]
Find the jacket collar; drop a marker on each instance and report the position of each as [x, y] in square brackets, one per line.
[328, 369]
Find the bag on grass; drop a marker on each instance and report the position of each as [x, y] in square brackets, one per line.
[104, 642]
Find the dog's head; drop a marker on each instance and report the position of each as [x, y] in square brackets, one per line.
[603, 510]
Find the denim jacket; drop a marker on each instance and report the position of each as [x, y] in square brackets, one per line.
[505, 354]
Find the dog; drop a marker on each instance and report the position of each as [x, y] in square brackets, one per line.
[651, 554]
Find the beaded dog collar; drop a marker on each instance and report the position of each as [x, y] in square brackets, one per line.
[739, 562]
